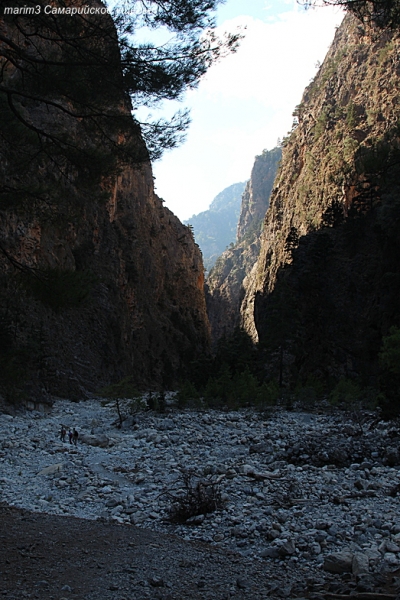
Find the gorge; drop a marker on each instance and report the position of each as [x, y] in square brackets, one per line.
[212, 460]
[101, 283]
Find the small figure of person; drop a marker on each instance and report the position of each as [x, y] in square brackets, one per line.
[70, 436]
[63, 433]
[75, 436]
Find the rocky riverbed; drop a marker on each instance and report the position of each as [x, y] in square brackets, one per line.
[305, 492]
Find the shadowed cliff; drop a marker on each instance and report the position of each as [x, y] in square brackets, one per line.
[99, 281]
[326, 286]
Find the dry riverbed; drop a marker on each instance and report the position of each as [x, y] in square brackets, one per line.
[309, 505]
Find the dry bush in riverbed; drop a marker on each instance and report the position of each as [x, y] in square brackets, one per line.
[196, 495]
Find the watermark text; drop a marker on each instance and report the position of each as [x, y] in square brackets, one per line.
[56, 10]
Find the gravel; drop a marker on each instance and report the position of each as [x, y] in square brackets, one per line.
[295, 489]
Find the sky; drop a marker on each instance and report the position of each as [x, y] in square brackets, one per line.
[245, 102]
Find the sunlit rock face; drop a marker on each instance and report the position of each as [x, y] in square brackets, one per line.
[227, 282]
[327, 280]
[99, 283]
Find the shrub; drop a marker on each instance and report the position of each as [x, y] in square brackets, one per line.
[128, 400]
[351, 396]
[187, 395]
[321, 124]
[333, 215]
[351, 115]
[270, 393]
[197, 495]
[310, 392]
[239, 390]
[123, 389]
[157, 402]
[13, 375]
[389, 356]
[346, 392]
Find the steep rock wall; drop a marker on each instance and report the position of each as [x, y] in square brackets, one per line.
[98, 282]
[326, 284]
[145, 313]
[227, 282]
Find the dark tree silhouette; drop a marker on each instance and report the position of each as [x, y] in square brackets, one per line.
[382, 13]
[71, 64]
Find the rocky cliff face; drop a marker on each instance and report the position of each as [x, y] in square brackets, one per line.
[255, 200]
[98, 282]
[326, 284]
[227, 282]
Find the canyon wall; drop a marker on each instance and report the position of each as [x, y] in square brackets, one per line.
[326, 285]
[227, 282]
[99, 281]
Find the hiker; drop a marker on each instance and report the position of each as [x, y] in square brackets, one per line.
[70, 436]
[63, 433]
[75, 436]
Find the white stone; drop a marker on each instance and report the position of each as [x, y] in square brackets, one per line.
[56, 468]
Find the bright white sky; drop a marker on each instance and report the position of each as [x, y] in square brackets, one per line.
[245, 103]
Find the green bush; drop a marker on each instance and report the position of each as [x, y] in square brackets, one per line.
[389, 356]
[310, 392]
[321, 124]
[157, 402]
[188, 395]
[13, 375]
[351, 115]
[346, 393]
[350, 395]
[270, 393]
[233, 378]
[218, 390]
[127, 400]
[239, 390]
[18, 354]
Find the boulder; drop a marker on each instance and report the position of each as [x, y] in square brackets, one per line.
[360, 563]
[100, 440]
[339, 562]
[287, 549]
[391, 559]
[51, 469]
[271, 552]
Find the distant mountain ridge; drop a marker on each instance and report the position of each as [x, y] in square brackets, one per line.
[215, 228]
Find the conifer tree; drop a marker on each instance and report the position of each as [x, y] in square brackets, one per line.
[385, 14]
[71, 65]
